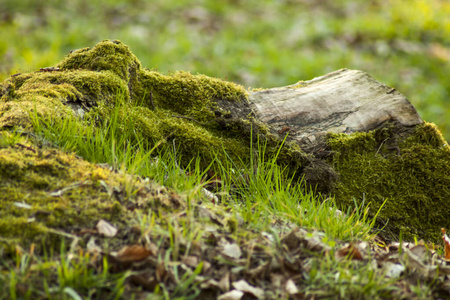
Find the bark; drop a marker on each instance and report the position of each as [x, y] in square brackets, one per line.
[344, 101]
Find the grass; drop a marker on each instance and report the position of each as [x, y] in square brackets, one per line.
[404, 44]
[257, 44]
[254, 199]
[260, 190]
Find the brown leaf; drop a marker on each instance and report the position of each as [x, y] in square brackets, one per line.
[276, 280]
[351, 251]
[190, 261]
[161, 273]
[133, 253]
[206, 266]
[259, 271]
[301, 238]
[145, 280]
[446, 240]
[224, 283]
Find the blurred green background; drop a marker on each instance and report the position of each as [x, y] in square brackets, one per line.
[257, 43]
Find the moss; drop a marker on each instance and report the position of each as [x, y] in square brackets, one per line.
[29, 176]
[45, 188]
[411, 171]
[164, 105]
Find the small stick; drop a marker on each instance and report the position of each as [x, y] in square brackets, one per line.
[26, 147]
[151, 100]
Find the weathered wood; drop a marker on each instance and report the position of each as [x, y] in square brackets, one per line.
[343, 101]
[386, 151]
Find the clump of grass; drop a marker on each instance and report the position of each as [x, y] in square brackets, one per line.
[261, 193]
[62, 275]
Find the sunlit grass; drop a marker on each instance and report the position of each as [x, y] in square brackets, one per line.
[254, 43]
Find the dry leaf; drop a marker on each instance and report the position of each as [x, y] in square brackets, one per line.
[446, 240]
[393, 270]
[259, 271]
[106, 229]
[133, 253]
[351, 251]
[300, 237]
[161, 273]
[291, 288]
[145, 280]
[191, 261]
[231, 295]
[242, 285]
[211, 196]
[206, 266]
[92, 247]
[231, 250]
[224, 283]
[209, 284]
[276, 280]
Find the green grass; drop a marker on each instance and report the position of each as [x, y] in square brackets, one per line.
[402, 43]
[258, 44]
[259, 191]
[254, 198]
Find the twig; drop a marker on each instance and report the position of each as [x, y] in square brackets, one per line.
[175, 153]
[26, 147]
[151, 100]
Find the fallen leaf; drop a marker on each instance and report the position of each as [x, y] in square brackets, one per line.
[224, 283]
[393, 270]
[211, 196]
[206, 266]
[132, 253]
[446, 240]
[350, 251]
[209, 284]
[243, 286]
[92, 247]
[191, 261]
[161, 273]
[420, 251]
[259, 271]
[291, 288]
[276, 280]
[231, 250]
[106, 229]
[145, 280]
[231, 295]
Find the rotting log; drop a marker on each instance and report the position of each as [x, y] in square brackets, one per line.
[348, 135]
[344, 101]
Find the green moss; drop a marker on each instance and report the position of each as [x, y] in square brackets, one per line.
[195, 113]
[29, 175]
[44, 190]
[413, 173]
[160, 104]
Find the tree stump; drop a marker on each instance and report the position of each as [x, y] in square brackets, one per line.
[346, 134]
[344, 101]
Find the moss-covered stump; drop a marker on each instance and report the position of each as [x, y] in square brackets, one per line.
[408, 168]
[399, 159]
[46, 194]
[196, 113]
